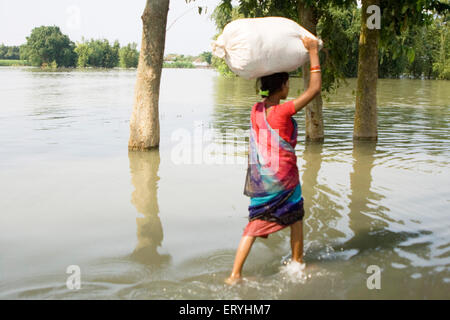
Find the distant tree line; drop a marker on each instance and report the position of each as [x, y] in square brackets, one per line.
[47, 46]
[9, 52]
[99, 53]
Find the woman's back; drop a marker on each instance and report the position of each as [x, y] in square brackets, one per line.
[279, 118]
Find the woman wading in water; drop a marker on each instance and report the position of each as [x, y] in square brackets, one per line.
[272, 181]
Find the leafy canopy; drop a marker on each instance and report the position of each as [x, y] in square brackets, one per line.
[48, 45]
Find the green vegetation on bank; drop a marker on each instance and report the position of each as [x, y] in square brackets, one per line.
[206, 56]
[182, 61]
[178, 61]
[13, 63]
[47, 47]
[9, 52]
[97, 53]
[129, 56]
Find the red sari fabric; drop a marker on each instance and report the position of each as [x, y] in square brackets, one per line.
[279, 118]
[262, 228]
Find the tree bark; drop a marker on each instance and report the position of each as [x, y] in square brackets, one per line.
[365, 125]
[313, 111]
[144, 123]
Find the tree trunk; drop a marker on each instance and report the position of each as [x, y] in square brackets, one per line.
[144, 123]
[365, 126]
[313, 111]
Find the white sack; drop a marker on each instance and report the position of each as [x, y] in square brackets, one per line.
[258, 47]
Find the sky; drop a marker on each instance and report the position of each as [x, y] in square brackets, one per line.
[188, 32]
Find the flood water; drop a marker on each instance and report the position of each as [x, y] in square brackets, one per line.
[165, 224]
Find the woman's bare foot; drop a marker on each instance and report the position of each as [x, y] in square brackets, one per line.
[233, 279]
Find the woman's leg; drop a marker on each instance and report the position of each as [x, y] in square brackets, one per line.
[241, 254]
[297, 241]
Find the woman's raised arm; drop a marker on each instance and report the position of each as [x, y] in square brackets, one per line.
[315, 81]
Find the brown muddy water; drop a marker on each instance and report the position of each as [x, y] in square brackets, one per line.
[165, 224]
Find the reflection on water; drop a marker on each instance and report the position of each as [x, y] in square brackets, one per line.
[368, 218]
[144, 177]
[322, 202]
[69, 177]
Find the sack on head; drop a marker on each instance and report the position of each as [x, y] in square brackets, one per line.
[257, 47]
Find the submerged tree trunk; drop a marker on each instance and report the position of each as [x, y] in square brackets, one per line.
[313, 111]
[365, 126]
[144, 123]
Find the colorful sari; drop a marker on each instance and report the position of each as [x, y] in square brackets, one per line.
[272, 181]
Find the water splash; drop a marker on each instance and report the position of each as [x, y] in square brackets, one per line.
[294, 271]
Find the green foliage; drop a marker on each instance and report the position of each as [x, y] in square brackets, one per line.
[266, 8]
[441, 64]
[221, 66]
[339, 28]
[413, 39]
[179, 64]
[129, 56]
[180, 61]
[23, 52]
[423, 42]
[207, 56]
[50, 66]
[47, 44]
[83, 52]
[12, 63]
[9, 52]
[224, 14]
[424, 53]
[406, 36]
[97, 53]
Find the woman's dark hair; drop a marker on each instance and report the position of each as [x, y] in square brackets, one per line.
[273, 82]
